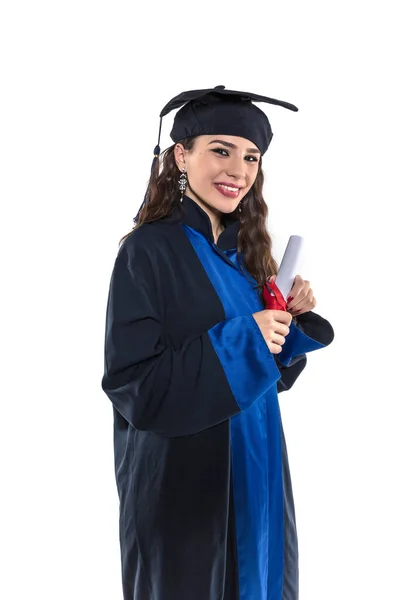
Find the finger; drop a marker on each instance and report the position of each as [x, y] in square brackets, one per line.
[300, 311]
[278, 339]
[282, 316]
[301, 297]
[296, 287]
[305, 303]
[276, 349]
[305, 306]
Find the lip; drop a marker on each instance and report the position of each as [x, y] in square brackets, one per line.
[228, 184]
[227, 193]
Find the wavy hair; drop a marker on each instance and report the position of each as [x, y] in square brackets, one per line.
[254, 242]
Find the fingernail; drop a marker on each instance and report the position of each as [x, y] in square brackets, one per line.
[289, 299]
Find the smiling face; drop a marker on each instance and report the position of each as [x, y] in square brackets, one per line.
[217, 161]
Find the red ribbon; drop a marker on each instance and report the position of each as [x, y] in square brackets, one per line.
[276, 302]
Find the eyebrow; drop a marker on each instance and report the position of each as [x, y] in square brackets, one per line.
[229, 145]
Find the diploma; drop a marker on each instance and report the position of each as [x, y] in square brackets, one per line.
[288, 267]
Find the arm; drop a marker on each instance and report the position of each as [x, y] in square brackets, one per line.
[176, 391]
[308, 332]
[290, 374]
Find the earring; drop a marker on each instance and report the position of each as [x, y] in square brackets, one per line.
[240, 206]
[182, 182]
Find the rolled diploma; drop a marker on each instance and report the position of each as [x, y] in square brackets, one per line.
[288, 267]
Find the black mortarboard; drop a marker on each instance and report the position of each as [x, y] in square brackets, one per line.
[219, 111]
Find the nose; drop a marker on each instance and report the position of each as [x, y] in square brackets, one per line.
[237, 169]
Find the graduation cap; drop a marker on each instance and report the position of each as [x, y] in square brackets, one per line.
[219, 111]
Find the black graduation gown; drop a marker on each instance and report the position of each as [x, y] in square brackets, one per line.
[206, 505]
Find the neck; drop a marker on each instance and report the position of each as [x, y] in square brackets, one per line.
[214, 215]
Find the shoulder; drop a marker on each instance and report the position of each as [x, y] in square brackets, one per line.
[147, 242]
[137, 238]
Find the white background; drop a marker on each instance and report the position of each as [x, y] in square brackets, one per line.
[82, 87]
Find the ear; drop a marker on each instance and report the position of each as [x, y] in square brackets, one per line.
[179, 154]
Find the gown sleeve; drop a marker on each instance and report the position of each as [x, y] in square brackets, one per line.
[176, 391]
[308, 332]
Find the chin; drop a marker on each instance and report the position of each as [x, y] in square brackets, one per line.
[224, 203]
[218, 201]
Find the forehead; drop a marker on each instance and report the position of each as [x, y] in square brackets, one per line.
[239, 142]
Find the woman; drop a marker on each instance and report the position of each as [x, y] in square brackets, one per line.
[194, 364]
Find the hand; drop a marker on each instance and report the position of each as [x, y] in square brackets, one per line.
[274, 326]
[301, 298]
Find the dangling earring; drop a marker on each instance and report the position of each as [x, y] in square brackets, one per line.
[182, 182]
[240, 206]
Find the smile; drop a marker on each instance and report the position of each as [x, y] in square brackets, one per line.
[226, 190]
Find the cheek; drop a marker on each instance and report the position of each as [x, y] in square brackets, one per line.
[253, 178]
[206, 169]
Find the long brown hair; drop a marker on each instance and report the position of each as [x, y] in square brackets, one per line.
[254, 241]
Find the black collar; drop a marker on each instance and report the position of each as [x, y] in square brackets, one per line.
[194, 216]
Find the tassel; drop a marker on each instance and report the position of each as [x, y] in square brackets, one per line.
[156, 154]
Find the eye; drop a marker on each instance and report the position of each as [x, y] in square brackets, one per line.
[220, 150]
[223, 150]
